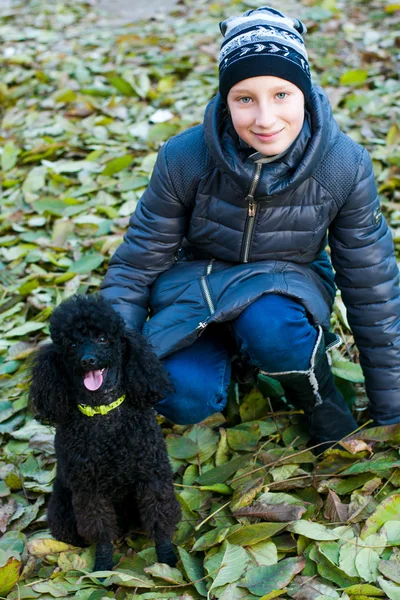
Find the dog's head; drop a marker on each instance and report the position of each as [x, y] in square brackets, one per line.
[90, 337]
[92, 360]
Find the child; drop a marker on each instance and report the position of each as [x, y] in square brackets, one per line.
[231, 232]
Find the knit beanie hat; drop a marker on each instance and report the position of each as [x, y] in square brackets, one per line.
[263, 41]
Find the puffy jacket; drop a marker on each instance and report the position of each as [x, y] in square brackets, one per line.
[216, 229]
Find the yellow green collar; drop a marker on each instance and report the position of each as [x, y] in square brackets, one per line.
[103, 409]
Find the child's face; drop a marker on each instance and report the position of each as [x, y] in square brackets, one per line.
[267, 112]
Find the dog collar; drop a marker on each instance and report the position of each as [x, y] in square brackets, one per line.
[103, 409]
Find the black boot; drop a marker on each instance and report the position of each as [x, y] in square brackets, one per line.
[328, 417]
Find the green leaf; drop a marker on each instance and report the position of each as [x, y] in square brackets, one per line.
[72, 166]
[164, 571]
[89, 262]
[211, 538]
[263, 580]
[180, 447]
[234, 562]
[9, 156]
[223, 472]
[244, 439]
[387, 433]
[388, 510]
[9, 367]
[131, 580]
[249, 535]
[219, 488]
[206, 441]
[367, 561]
[374, 466]
[312, 531]
[348, 370]
[329, 571]
[162, 132]
[253, 406]
[391, 589]
[193, 566]
[392, 531]
[55, 206]
[34, 182]
[347, 559]
[13, 542]
[49, 587]
[120, 84]
[330, 550]
[4, 489]
[265, 553]
[24, 329]
[245, 493]
[270, 387]
[116, 165]
[353, 77]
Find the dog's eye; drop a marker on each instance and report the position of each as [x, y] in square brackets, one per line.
[102, 339]
[71, 347]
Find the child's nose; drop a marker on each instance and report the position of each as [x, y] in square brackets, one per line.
[265, 118]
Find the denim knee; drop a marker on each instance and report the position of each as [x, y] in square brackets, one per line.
[275, 334]
[201, 375]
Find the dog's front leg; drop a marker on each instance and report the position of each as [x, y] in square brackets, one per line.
[159, 514]
[104, 557]
[97, 523]
[60, 515]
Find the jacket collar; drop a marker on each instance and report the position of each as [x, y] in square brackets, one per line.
[287, 172]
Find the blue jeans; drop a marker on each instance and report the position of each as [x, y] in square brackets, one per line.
[273, 333]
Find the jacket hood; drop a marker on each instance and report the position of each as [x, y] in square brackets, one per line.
[318, 134]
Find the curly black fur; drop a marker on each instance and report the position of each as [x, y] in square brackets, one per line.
[113, 471]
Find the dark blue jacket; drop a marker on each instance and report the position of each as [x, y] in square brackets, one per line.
[215, 230]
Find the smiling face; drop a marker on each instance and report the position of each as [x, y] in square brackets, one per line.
[267, 112]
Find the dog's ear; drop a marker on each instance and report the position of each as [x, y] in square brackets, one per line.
[144, 374]
[48, 390]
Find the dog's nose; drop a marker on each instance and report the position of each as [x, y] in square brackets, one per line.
[89, 361]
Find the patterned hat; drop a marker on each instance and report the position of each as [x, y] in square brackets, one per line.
[263, 41]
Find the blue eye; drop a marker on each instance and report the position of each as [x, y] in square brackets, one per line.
[282, 95]
[244, 98]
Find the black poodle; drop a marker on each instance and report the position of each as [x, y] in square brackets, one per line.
[98, 385]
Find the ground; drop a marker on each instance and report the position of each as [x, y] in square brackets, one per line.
[125, 11]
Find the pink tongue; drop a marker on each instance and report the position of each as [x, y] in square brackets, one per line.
[93, 380]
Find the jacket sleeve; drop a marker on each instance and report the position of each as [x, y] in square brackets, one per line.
[155, 232]
[367, 275]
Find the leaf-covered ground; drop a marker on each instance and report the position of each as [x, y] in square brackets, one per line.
[85, 108]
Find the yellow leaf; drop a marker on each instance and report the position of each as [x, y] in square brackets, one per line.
[43, 546]
[9, 574]
[274, 594]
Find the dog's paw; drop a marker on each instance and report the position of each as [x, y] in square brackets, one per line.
[166, 554]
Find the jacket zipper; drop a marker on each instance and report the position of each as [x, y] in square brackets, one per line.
[251, 214]
[207, 295]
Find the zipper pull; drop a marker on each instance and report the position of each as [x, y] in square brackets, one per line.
[252, 209]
